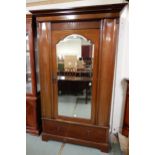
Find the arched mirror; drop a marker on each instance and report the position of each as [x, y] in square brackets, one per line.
[75, 55]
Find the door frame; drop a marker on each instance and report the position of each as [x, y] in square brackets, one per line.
[56, 36]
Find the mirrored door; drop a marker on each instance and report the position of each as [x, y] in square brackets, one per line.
[74, 74]
[75, 56]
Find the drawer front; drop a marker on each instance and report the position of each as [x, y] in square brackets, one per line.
[54, 128]
[89, 133]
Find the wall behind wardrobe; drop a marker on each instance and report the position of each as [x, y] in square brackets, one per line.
[121, 73]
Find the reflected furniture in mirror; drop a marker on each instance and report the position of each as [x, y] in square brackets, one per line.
[33, 109]
[74, 76]
[77, 49]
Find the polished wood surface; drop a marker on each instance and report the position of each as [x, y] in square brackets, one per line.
[111, 8]
[78, 17]
[100, 25]
[102, 146]
[79, 13]
[33, 109]
[77, 133]
[109, 28]
[89, 132]
[76, 25]
[44, 64]
[33, 115]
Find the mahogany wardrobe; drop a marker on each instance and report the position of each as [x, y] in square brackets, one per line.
[77, 51]
[33, 112]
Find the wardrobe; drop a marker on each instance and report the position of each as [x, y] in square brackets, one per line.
[33, 109]
[77, 52]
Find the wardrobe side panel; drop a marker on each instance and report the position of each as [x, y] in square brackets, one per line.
[44, 42]
[106, 69]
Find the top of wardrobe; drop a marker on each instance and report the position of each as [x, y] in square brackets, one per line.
[110, 8]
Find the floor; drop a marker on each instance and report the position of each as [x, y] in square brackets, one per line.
[35, 146]
[74, 106]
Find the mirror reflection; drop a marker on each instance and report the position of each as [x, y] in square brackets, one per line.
[75, 56]
[28, 68]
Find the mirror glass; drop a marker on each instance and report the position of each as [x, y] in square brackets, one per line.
[28, 67]
[75, 56]
[37, 59]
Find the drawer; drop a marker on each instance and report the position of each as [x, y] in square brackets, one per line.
[77, 131]
[54, 128]
[90, 133]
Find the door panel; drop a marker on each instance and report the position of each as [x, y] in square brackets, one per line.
[74, 89]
